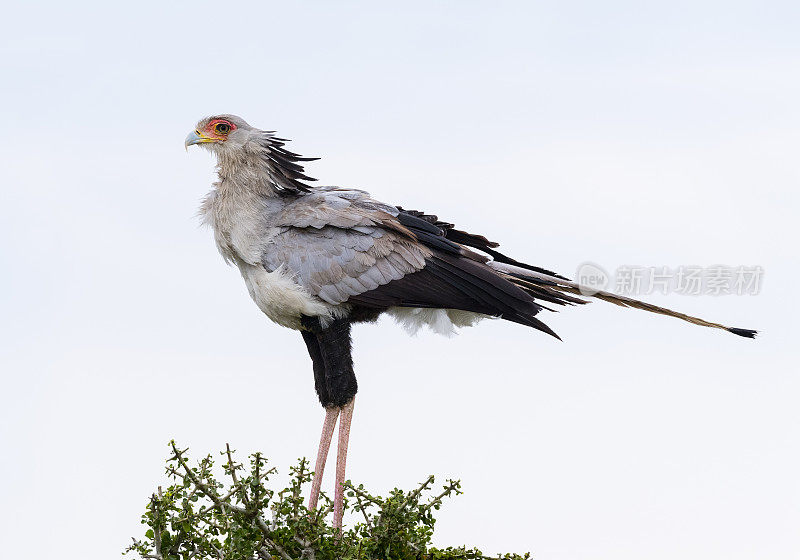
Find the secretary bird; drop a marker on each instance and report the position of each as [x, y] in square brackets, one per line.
[318, 259]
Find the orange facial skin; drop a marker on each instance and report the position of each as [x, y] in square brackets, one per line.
[218, 129]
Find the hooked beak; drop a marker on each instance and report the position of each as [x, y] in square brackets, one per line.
[196, 137]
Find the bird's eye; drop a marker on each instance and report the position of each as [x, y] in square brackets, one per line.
[222, 128]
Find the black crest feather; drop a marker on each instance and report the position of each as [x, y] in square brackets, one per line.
[286, 169]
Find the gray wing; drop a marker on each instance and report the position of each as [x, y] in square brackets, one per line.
[340, 243]
[342, 246]
[338, 207]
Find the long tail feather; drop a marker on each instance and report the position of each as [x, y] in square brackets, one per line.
[550, 284]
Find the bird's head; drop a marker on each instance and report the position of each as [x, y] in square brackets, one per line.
[222, 134]
[239, 146]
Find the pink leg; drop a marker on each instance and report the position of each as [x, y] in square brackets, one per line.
[331, 414]
[341, 462]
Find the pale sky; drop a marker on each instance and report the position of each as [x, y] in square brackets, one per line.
[621, 133]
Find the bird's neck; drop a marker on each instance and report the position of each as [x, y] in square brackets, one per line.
[239, 176]
[241, 209]
[262, 167]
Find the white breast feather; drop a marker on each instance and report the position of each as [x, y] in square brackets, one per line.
[440, 321]
[281, 298]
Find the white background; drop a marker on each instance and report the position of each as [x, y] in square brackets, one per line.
[621, 133]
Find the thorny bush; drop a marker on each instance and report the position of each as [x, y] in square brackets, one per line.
[199, 517]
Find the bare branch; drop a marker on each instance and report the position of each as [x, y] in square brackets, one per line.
[212, 494]
[156, 527]
[296, 490]
[236, 485]
[361, 493]
[451, 486]
[415, 493]
[364, 512]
